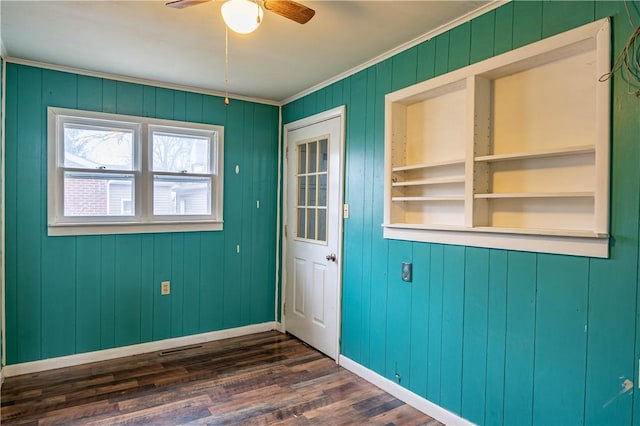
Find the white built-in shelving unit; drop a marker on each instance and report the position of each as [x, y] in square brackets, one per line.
[511, 152]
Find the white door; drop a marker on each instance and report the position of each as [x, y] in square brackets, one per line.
[313, 228]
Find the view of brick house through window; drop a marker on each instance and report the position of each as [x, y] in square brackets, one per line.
[110, 173]
[99, 194]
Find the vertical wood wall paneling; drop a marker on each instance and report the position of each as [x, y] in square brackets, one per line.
[442, 54]
[475, 316]
[459, 46]
[11, 217]
[87, 314]
[398, 314]
[520, 337]
[89, 95]
[496, 337]
[234, 140]
[434, 363]
[107, 292]
[264, 169]
[560, 16]
[128, 265]
[70, 295]
[29, 223]
[482, 37]
[109, 96]
[58, 279]
[353, 261]
[248, 207]
[527, 22]
[379, 246]
[503, 29]
[212, 244]
[613, 283]
[560, 339]
[176, 297]
[419, 340]
[88, 248]
[452, 327]
[368, 216]
[148, 287]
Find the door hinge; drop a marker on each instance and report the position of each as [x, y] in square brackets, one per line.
[285, 231]
[286, 153]
[284, 309]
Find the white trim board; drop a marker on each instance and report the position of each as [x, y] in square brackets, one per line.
[404, 395]
[142, 348]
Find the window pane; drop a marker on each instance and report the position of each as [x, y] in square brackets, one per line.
[323, 156]
[322, 190]
[180, 153]
[322, 225]
[93, 194]
[94, 147]
[313, 151]
[302, 193]
[302, 158]
[312, 191]
[301, 223]
[311, 224]
[174, 195]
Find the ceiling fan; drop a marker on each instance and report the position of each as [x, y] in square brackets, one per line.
[289, 9]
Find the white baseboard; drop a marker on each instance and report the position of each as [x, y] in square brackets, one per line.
[161, 345]
[280, 327]
[404, 395]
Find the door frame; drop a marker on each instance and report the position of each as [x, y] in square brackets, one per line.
[339, 112]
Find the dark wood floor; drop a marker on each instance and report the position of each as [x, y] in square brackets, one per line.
[266, 378]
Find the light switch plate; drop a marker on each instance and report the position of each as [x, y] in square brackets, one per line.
[407, 272]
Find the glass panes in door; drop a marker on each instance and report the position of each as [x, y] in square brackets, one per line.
[312, 167]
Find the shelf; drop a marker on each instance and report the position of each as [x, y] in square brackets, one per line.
[537, 195]
[441, 198]
[573, 150]
[511, 152]
[428, 165]
[490, 229]
[436, 181]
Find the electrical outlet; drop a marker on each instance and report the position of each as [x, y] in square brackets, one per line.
[165, 288]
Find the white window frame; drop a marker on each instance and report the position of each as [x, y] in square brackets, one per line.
[144, 220]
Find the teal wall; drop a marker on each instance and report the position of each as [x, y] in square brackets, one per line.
[67, 295]
[495, 336]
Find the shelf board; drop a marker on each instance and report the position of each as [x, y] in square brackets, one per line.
[440, 198]
[576, 233]
[525, 155]
[436, 181]
[428, 165]
[537, 195]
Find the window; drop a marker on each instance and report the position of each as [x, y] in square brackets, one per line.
[113, 174]
[312, 191]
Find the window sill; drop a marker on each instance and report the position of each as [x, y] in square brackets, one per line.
[131, 228]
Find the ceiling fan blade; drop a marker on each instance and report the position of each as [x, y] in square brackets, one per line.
[291, 10]
[181, 4]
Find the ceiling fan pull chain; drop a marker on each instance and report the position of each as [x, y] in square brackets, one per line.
[226, 65]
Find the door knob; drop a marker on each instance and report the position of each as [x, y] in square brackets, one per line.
[331, 257]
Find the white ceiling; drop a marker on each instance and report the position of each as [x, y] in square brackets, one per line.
[147, 40]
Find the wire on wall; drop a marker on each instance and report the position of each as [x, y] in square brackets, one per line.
[629, 59]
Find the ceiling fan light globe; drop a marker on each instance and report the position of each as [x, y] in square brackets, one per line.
[242, 16]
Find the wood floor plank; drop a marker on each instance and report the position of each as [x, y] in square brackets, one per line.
[261, 379]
